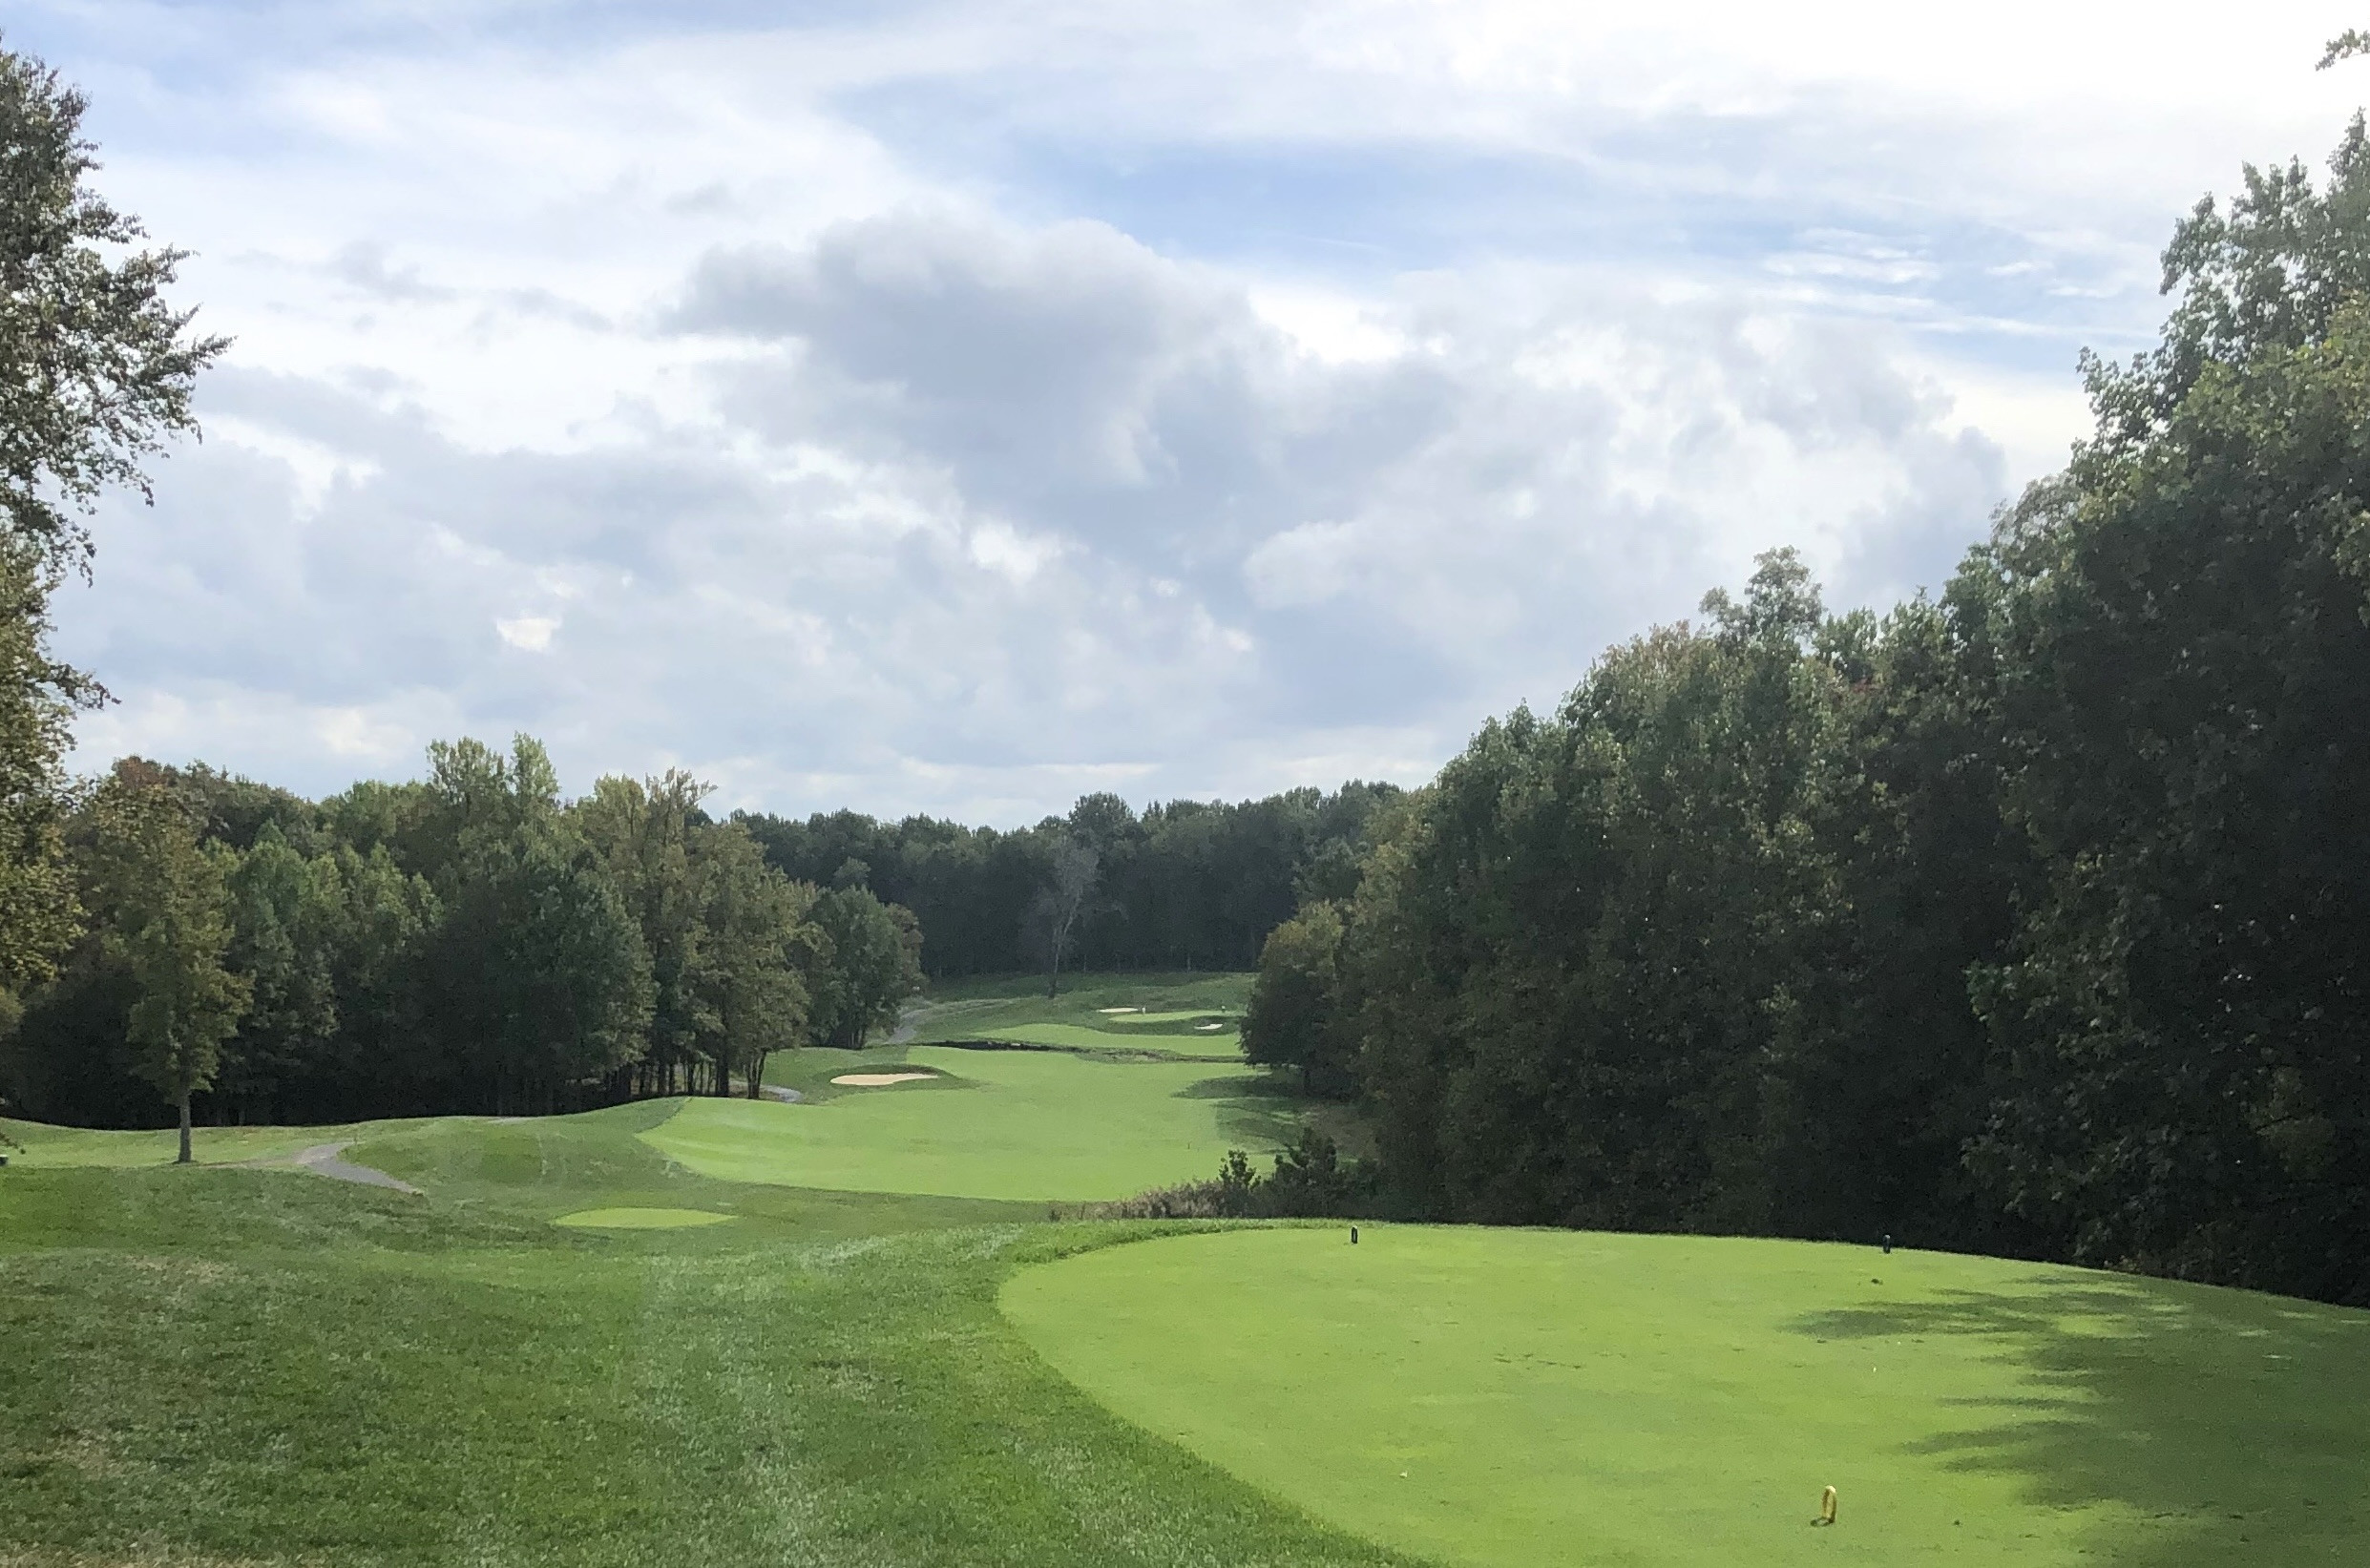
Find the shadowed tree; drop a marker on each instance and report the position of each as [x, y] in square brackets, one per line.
[1293, 1018]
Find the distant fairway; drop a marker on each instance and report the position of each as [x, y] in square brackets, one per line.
[1514, 1397]
[1165, 1012]
[1035, 1125]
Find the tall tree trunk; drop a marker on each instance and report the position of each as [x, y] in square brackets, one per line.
[757, 1075]
[184, 1156]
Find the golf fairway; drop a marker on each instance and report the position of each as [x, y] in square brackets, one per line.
[1035, 1126]
[1520, 1398]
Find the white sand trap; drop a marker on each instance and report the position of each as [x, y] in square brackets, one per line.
[1207, 1028]
[880, 1080]
[1118, 1009]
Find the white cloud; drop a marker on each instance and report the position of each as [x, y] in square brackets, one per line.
[530, 633]
[952, 408]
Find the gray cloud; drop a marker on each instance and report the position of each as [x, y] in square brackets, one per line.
[977, 516]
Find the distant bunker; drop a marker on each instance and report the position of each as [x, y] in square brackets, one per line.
[880, 1080]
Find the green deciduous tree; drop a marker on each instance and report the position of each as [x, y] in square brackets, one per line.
[171, 922]
[871, 962]
[1295, 1017]
[39, 911]
[96, 368]
[539, 969]
[761, 951]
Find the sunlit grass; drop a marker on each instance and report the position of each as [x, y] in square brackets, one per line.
[1520, 1398]
[1033, 1125]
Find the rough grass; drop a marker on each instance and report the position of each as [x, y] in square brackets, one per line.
[1040, 1127]
[211, 1366]
[1513, 1398]
[37, 1146]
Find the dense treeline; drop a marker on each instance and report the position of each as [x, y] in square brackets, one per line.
[2033, 918]
[466, 942]
[1185, 885]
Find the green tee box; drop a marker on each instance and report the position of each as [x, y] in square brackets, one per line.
[1520, 1398]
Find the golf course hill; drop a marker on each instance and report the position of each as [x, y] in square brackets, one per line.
[873, 1317]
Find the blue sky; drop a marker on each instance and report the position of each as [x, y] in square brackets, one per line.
[955, 408]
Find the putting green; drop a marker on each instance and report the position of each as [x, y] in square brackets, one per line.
[1038, 1125]
[639, 1219]
[1514, 1397]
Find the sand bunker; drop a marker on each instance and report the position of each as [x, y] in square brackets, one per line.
[877, 1080]
[1118, 1009]
[1207, 1028]
[639, 1219]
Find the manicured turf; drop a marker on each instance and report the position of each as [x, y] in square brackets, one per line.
[1016, 1007]
[1035, 1125]
[1511, 1398]
[561, 1354]
[640, 1219]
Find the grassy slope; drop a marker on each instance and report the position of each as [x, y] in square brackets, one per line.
[36, 1146]
[1035, 1126]
[209, 1365]
[1527, 1398]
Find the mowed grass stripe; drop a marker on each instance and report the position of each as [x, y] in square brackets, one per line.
[1512, 1398]
[1033, 1125]
[253, 1368]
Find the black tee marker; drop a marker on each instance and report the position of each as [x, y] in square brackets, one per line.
[1354, 1235]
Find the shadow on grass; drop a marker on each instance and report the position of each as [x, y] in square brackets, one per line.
[1258, 1110]
[2232, 1424]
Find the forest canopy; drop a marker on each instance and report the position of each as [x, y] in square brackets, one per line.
[470, 941]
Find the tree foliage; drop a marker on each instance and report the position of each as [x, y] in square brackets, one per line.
[2034, 918]
[473, 941]
[95, 371]
[1181, 885]
[95, 367]
[168, 923]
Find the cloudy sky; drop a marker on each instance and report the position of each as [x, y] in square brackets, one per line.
[959, 407]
